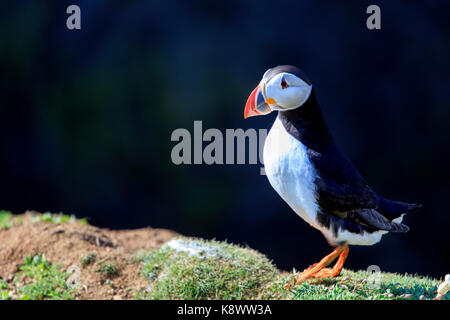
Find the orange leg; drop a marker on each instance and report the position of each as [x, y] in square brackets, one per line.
[336, 270]
[317, 271]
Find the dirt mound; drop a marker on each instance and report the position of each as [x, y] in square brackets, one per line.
[103, 261]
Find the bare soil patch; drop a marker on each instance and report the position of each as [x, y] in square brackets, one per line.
[69, 243]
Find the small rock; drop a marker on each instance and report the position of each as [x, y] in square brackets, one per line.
[443, 288]
[117, 297]
[111, 291]
[422, 297]
[407, 296]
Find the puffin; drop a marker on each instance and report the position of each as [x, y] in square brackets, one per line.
[306, 168]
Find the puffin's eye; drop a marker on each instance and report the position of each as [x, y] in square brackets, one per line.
[284, 84]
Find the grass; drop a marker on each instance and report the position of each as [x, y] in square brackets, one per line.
[4, 294]
[39, 279]
[187, 268]
[197, 269]
[7, 219]
[362, 285]
[88, 258]
[108, 269]
[56, 218]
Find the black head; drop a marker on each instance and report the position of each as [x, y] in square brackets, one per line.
[282, 88]
[269, 74]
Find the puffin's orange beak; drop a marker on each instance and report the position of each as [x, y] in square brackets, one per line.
[256, 105]
[250, 109]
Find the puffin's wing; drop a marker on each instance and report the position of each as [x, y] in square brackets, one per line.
[340, 188]
[372, 218]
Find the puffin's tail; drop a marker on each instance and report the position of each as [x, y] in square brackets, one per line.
[393, 209]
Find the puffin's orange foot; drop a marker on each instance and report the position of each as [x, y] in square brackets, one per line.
[287, 286]
[326, 273]
[336, 270]
[341, 251]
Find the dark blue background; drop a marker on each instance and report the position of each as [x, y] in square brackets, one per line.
[86, 116]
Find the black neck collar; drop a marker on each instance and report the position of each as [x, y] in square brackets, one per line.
[307, 125]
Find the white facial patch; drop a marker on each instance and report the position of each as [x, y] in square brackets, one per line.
[288, 91]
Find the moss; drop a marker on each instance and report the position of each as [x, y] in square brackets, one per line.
[188, 268]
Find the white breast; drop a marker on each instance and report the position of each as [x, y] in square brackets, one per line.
[290, 172]
[292, 175]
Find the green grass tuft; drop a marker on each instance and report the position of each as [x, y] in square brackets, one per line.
[43, 280]
[87, 259]
[3, 284]
[4, 294]
[56, 218]
[107, 269]
[199, 269]
[6, 219]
